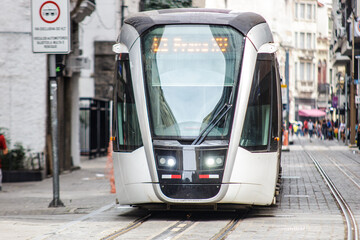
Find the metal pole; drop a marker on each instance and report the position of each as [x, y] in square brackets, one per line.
[352, 90]
[56, 202]
[357, 86]
[287, 87]
[346, 110]
[122, 12]
[339, 107]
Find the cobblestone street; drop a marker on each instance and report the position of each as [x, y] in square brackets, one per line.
[305, 208]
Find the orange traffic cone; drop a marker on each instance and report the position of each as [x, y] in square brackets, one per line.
[286, 138]
[285, 145]
[110, 168]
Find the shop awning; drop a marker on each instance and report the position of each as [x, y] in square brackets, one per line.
[311, 113]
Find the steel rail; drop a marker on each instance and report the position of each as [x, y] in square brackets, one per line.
[175, 230]
[352, 228]
[224, 232]
[131, 226]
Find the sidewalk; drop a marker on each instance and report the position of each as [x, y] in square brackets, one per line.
[24, 204]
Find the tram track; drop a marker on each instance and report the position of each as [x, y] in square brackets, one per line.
[347, 172]
[131, 226]
[351, 224]
[231, 226]
[184, 226]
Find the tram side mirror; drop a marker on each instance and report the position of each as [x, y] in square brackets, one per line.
[267, 52]
[122, 50]
[268, 48]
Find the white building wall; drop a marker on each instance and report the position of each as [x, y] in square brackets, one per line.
[23, 78]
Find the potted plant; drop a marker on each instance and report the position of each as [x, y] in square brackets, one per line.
[13, 166]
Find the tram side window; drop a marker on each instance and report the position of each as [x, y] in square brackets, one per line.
[274, 144]
[126, 127]
[259, 117]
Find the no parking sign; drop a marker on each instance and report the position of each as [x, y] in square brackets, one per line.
[50, 26]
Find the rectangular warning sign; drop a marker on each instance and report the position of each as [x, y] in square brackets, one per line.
[50, 26]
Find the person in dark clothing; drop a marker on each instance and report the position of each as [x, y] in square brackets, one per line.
[324, 129]
[4, 150]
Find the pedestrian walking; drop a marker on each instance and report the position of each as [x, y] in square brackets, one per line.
[306, 127]
[318, 129]
[330, 130]
[342, 131]
[4, 150]
[311, 128]
[324, 129]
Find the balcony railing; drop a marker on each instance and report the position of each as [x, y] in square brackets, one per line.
[305, 86]
[306, 54]
[323, 88]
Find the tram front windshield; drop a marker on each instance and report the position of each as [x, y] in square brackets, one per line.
[191, 72]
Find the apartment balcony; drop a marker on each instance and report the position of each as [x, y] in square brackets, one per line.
[323, 88]
[305, 86]
[307, 54]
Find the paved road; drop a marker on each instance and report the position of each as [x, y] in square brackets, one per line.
[305, 208]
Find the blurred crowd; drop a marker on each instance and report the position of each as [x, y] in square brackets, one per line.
[325, 129]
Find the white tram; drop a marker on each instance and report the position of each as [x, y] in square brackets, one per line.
[197, 109]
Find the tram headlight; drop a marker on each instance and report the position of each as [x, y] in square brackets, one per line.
[162, 161]
[213, 161]
[210, 162]
[171, 162]
[167, 161]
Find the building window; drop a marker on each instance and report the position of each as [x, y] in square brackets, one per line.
[308, 11]
[296, 10]
[314, 12]
[313, 71]
[302, 71]
[308, 71]
[308, 40]
[302, 40]
[324, 71]
[296, 74]
[319, 72]
[314, 40]
[296, 39]
[302, 10]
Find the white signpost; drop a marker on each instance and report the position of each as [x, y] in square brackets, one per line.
[50, 26]
[51, 34]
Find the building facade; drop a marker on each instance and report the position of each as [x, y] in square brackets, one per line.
[345, 47]
[23, 79]
[301, 28]
[24, 87]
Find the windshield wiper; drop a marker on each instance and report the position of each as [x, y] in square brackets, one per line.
[214, 121]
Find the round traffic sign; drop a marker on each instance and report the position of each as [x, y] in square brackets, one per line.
[49, 12]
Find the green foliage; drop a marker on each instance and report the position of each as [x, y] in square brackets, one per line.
[15, 158]
[163, 4]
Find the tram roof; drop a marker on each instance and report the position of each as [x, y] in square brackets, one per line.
[242, 21]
